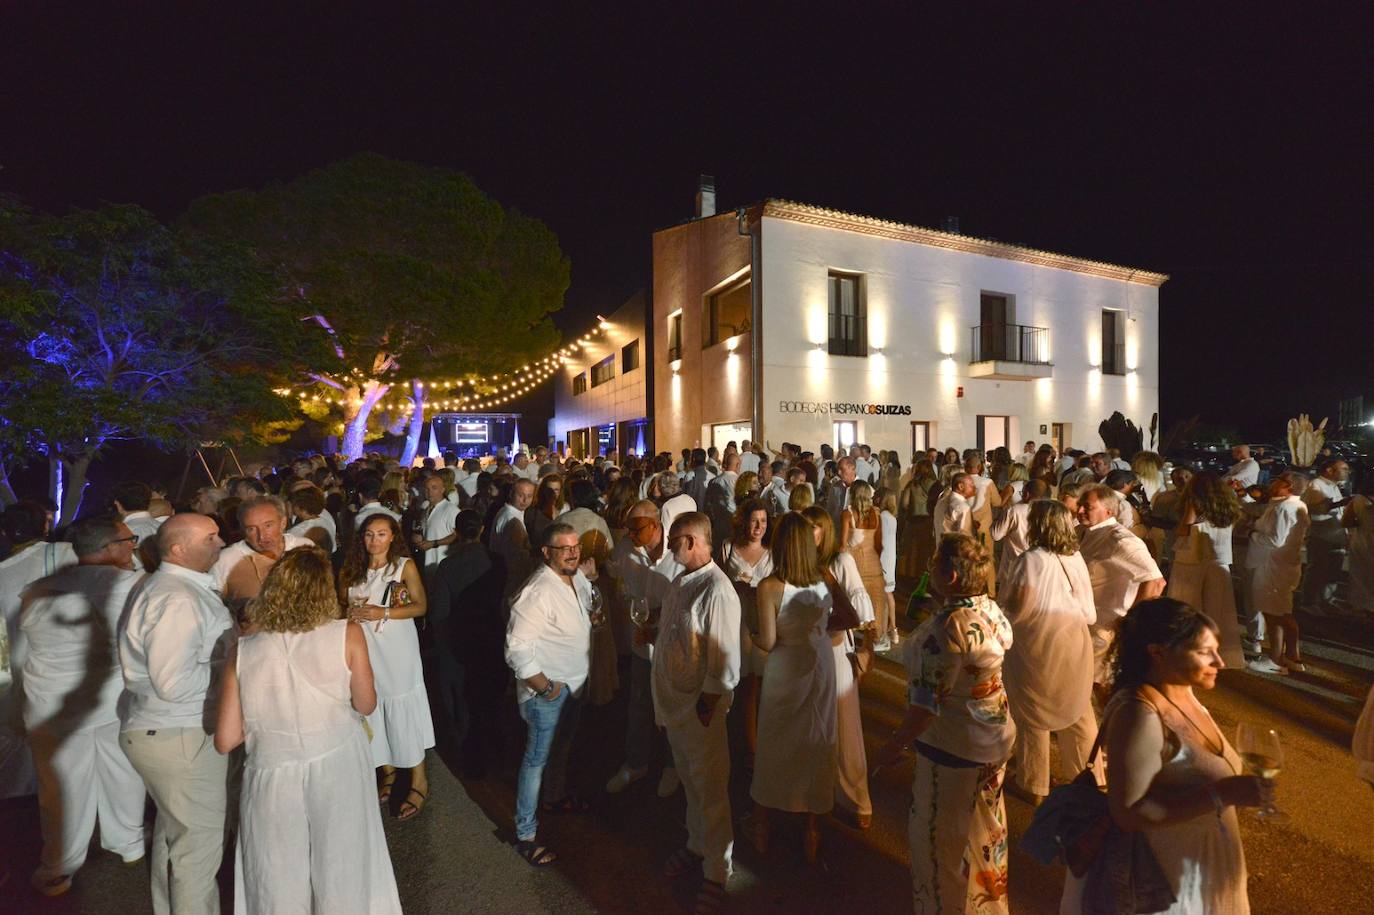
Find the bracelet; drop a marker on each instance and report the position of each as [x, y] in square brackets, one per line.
[548, 688]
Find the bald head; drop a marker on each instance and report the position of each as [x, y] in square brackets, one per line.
[643, 509]
[189, 540]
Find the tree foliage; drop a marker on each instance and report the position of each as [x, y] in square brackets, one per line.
[408, 272]
[117, 327]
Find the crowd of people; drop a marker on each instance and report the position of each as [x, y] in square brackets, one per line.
[267, 660]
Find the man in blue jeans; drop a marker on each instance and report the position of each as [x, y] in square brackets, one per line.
[548, 646]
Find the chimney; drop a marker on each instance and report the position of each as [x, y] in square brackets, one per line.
[952, 225]
[706, 196]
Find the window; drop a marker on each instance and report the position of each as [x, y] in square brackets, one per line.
[920, 438]
[580, 384]
[603, 371]
[629, 357]
[1059, 436]
[1113, 342]
[726, 314]
[675, 336]
[846, 433]
[848, 320]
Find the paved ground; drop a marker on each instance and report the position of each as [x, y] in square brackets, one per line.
[455, 857]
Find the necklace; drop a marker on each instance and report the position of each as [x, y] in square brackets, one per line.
[1206, 738]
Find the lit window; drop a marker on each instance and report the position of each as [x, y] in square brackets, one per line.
[603, 371]
[726, 314]
[848, 318]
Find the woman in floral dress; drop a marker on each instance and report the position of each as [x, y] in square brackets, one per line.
[963, 735]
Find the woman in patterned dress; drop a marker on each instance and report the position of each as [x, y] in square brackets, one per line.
[959, 721]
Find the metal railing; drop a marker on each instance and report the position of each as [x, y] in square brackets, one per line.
[1011, 343]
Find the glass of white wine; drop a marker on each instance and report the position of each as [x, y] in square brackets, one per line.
[639, 611]
[1262, 753]
[596, 608]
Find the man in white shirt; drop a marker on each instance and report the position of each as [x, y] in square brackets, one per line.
[954, 509]
[72, 685]
[1327, 539]
[1012, 527]
[1122, 571]
[674, 502]
[1245, 470]
[866, 466]
[240, 569]
[1115, 462]
[509, 538]
[312, 520]
[525, 468]
[26, 525]
[1274, 558]
[696, 667]
[548, 647]
[779, 490]
[1027, 454]
[369, 490]
[176, 636]
[131, 501]
[465, 478]
[440, 517]
[644, 568]
[749, 460]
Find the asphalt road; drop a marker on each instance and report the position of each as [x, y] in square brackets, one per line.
[455, 857]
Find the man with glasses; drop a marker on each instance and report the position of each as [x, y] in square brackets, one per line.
[548, 646]
[71, 687]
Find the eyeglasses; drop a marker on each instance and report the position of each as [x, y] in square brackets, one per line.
[575, 548]
[132, 538]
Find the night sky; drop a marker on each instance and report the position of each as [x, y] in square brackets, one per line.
[1232, 153]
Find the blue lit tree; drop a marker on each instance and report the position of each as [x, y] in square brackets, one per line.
[407, 271]
[116, 327]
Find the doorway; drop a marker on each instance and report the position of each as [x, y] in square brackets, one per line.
[846, 433]
[993, 432]
[920, 438]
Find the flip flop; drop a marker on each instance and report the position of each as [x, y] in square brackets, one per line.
[535, 855]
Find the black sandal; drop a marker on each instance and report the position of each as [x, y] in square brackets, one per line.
[570, 804]
[414, 808]
[535, 855]
[384, 789]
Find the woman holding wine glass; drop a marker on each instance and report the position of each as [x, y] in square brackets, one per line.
[1171, 773]
[747, 560]
[382, 590]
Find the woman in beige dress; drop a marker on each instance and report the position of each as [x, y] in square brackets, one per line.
[861, 536]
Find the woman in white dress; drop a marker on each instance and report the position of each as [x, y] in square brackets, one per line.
[851, 661]
[309, 837]
[747, 560]
[1170, 772]
[1201, 572]
[795, 767]
[383, 592]
[1048, 599]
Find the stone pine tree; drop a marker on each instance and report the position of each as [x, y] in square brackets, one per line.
[115, 327]
[408, 271]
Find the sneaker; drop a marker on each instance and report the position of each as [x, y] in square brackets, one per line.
[882, 644]
[1266, 665]
[624, 779]
[669, 782]
[895, 638]
[51, 886]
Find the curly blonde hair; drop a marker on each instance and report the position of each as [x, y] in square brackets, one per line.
[298, 593]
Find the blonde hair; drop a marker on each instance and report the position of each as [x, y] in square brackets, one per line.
[1018, 472]
[861, 498]
[743, 483]
[795, 559]
[968, 560]
[887, 500]
[1051, 527]
[802, 497]
[298, 593]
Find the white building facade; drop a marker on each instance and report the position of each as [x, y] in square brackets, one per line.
[891, 335]
[601, 393]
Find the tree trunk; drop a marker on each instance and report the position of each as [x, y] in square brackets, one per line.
[358, 404]
[417, 425]
[7, 496]
[67, 485]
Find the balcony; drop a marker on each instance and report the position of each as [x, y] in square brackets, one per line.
[1010, 352]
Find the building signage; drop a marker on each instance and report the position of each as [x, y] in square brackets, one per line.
[862, 409]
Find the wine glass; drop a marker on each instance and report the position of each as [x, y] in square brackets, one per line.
[639, 610]
[1262, 753]
[596, 608]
